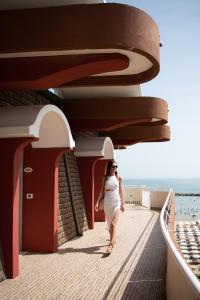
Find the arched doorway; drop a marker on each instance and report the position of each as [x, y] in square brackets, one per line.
[47, 132]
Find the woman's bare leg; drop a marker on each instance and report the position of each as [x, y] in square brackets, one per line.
[113, 228]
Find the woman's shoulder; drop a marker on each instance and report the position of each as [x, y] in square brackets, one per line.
[119, 178]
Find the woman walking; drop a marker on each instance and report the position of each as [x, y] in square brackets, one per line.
[112, 197]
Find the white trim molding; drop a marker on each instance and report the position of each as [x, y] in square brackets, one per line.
[45, 122]
[94, 147]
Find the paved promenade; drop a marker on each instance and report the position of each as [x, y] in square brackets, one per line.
[81, 269]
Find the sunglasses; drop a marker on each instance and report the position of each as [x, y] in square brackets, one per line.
[114, 167]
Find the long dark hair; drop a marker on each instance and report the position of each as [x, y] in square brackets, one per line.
[109, 167]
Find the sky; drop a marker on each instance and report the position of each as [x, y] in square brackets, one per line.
[178, 83]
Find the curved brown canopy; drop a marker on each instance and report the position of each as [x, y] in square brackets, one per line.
[111, 113]
[130, 135]
[53, 46]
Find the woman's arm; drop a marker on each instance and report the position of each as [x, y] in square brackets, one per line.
[121, 194]
[101, 195]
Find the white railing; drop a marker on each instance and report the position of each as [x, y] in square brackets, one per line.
[135, 194]
[181, 283]
[143, 196]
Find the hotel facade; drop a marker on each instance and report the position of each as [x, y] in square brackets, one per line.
[69, 96]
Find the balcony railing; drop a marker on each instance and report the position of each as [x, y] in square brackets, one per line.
[142, 196]
[181, 283]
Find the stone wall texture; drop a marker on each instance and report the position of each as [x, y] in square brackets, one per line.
[77, 193]
[66, 222]
[17, 98]
[72, 219]
[2, 273]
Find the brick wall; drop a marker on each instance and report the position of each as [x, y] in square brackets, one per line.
[77, 193]
[72, 216]
[17, 98]
[66, 222]
[2, 273]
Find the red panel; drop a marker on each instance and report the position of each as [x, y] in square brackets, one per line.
[10, 150]
[40, 214]
[104, 124]
[100, 167]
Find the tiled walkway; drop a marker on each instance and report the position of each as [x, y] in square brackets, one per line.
[82, 270]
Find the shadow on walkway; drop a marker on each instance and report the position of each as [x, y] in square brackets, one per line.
[148, 279]
[88, 250]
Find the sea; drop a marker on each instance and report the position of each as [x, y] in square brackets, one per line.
[187, 193]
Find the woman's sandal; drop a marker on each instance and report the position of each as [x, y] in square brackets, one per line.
[110, 247]
[113, 244]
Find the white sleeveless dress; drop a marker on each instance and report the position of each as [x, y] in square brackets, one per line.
[111, 198]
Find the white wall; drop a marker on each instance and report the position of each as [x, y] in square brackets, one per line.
[177, 287]
[136, 195]
[142, 196]
[158, 198]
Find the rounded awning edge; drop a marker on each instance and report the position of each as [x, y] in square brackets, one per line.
[45, 122]
[101, 147]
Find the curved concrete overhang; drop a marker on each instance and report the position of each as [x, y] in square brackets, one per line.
[20, 4]
[107, 114]
[87, 92]
[139, 134]
[47, 123]
[58, 52]
[94, 147]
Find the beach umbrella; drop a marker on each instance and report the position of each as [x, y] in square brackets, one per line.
[194, 248]
[195, 252]
[183, 248]
[188, 261]
[183, 243]
[191, 239]
[195, 261]
[183, 238]
[185, 251]
[190, 234]
[196, 256]
[193, 243]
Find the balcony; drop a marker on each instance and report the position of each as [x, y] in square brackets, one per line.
[136, 269]
[66, 49]
[181, 283]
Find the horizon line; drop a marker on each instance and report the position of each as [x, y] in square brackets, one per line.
[161, 178]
